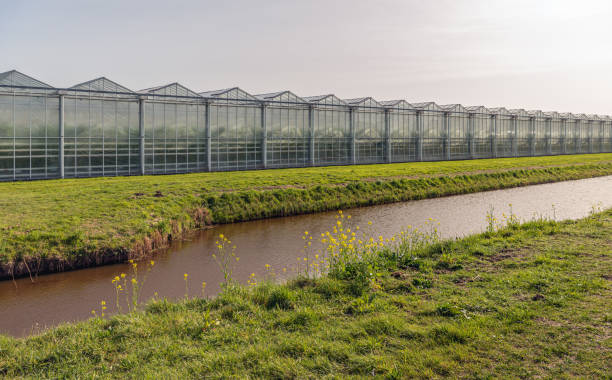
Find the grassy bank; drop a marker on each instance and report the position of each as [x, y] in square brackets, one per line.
[49, 226]
[531, 300]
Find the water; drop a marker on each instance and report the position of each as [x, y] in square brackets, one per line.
[27, 307]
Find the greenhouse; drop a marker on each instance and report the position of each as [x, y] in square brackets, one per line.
[504, 132]
[403, 130]
[368, 132]
[457, 132]
[554, 133]
[331, 124]
[101, 128]
[481, 137]
[235, 130]
[606, 134]
[539, 141]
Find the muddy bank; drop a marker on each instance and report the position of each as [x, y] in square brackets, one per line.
[32, 267]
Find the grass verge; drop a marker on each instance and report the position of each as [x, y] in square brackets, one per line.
[50, 226]
[531, 300]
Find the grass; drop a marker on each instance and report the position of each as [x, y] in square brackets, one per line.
[525, 301]
[48, 226]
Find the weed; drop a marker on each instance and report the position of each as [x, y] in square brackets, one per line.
[225, 258]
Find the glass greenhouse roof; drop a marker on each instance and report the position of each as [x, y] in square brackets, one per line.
[102, 84]
[518, 112]
[453, 107]
[397, 103]
[281, 96]
[330, 99]
[235, 93]
[535, 113]
[429, 106]
[499, 111]
[365, 101]
[15, 78]
[172, 89]
[477, 109]
[552, 114]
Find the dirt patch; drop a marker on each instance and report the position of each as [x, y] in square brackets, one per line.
[32, 267]
[464, 280]
[549, 322]
[400, 275]
[505, 254]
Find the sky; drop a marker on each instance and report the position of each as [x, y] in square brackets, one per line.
[553, 55]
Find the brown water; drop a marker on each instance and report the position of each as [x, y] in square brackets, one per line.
[27, 307]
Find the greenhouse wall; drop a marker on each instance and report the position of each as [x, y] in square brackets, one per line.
[504, 132]
[331, 131]
[606, 135]
[482, 132]
[100, 128]
[403, 131]
[432, 133]
[369, 131]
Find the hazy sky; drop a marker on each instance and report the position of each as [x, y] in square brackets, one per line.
[549, 55]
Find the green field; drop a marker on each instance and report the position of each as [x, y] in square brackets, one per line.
[58, 224]
[525, 301]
